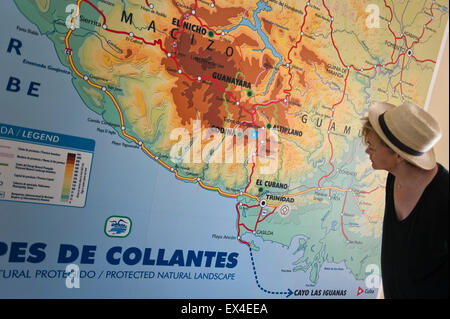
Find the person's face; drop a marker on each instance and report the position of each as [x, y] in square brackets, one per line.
[382, 157]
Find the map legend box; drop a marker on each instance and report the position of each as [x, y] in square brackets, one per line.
[44, 167]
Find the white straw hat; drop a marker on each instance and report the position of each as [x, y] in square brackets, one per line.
[408, 130]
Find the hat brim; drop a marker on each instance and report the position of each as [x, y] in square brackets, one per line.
[426, 161]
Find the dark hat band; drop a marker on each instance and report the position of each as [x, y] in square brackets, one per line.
[394, 140]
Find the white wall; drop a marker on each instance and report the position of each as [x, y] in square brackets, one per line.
[439, 105]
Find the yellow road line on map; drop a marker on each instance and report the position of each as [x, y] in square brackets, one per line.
[212, 188]
[73, 67]
[131, 137]
[66, 39]
[190, 179]
[163, 164]
[251, 196]
[145, 149]
[94, 85]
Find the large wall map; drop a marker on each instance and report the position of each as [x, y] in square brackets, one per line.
[207, 149]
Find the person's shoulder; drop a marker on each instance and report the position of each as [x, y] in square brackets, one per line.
[442, 170]
[440, 188]
[442, 177]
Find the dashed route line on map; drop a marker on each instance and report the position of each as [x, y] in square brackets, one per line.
[254, 107]
[288, 293]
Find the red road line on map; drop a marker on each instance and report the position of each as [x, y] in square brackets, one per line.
[329, 126]
[301, 36]
[266, 216]
[249, 206]
[422, 61]
[368, 192]
[257, 221]
[250, 177]
[96, 9]
[288, 92]
[248, 229]
[239, 226]
[201, 23]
